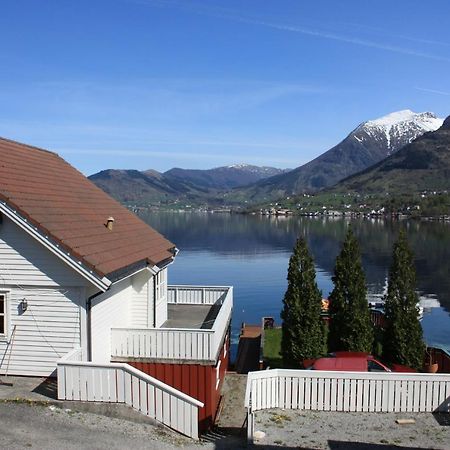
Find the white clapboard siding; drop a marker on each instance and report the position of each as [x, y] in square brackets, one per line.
[44, 333]
[25, 262]
[139, 300]
[110, 309]
[121, 383]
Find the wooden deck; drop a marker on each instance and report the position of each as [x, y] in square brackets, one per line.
[248, 354]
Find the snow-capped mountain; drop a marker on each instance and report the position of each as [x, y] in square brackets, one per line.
[397, 129]
[422, 165]
[262, 170]
[366, 145]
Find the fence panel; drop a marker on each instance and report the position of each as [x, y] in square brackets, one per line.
[121, 383]
[196, 295]
[348, 391]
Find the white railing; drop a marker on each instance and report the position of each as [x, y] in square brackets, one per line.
[346, 391]
[196, 295]
[178, 344]
[121, 383]
[220, 327]
[162, 343]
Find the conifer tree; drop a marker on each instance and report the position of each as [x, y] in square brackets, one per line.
[403, 337]
[303, 335]
[350, 326]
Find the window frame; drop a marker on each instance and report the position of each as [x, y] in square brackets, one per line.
[161, 286]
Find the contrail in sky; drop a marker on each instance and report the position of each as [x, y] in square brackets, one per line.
[233, 16]
[433, 91]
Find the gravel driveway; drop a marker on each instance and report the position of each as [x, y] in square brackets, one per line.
[352, 431]
[24, 426]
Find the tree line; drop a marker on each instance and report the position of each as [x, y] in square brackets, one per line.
[305, 335]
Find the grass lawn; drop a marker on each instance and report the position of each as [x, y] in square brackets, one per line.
[272, 347]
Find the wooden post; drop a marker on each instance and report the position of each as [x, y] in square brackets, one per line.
[250, 426]
[61, 382]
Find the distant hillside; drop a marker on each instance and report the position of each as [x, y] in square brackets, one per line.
[422, 165]
[150, 186]
[134, 186]
[223, 178]
[369, 143]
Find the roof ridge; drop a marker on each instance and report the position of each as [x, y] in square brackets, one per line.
[32, 147]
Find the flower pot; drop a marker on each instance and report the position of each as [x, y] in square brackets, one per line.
[432, 368]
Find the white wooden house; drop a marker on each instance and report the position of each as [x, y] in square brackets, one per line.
[84, 289]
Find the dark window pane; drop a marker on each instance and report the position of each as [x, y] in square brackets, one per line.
[2, 325]
[2, 304]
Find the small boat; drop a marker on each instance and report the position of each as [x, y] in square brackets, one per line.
[378, 306]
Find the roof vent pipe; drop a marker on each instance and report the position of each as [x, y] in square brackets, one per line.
[110, 223]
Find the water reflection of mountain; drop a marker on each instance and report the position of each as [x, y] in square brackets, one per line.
[242, 235]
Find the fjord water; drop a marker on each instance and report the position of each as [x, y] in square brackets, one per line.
[251, 253]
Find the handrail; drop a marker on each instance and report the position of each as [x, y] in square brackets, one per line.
[121, 383]
[184, 330]
[141, 375]
[193, 286]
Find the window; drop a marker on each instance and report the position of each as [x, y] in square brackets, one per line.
[161, 285]
[3, 316]
[373, 366]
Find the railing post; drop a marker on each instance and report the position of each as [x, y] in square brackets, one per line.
[250, 422]
[61, 377]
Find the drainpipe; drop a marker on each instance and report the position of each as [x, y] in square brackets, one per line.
[154, 301]
[89, 324]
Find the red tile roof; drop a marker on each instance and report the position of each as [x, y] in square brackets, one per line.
[63, 204]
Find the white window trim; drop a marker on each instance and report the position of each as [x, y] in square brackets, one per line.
[161, 286]
[5, 336]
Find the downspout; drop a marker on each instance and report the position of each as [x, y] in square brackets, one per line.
[154, 301]
[89, 324]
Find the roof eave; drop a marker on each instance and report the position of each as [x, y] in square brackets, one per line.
[101, 282]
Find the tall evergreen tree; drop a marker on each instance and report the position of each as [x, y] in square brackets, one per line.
[403, 338]
[303, 332]
[350, 326]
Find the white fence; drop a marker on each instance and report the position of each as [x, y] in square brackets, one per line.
[196, 295]
[121, 383]
[179, 344]
[346, 391]
[162, 344]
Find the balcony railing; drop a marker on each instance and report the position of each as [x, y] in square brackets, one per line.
[196, 295]
[187, 344]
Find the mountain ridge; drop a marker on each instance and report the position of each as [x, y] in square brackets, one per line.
[421, 165]
[367, 144]
[131, 185]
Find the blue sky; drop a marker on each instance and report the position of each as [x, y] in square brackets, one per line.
[198, 84]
